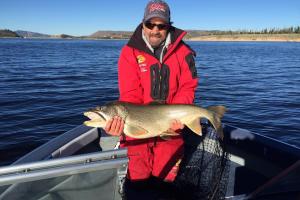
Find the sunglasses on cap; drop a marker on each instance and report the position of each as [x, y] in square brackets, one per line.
[151, 26]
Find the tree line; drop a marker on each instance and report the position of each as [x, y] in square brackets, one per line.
[288, 30]
[8, 33]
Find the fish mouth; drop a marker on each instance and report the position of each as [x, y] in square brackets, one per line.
[94, 115]
[96, 119]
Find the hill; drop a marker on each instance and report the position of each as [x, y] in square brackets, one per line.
[198, 33]
[111, 35]
[8, 33]
[209, 35]
[63, 36]
[29, 34]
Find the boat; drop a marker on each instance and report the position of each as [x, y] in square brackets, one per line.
[85, 163]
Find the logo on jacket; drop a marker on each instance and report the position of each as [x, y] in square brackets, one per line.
[141, 59]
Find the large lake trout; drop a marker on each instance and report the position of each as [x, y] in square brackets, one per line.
[146, 121]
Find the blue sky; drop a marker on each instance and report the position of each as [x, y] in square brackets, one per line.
[79, 17]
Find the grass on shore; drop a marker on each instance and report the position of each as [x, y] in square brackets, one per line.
[292, 37]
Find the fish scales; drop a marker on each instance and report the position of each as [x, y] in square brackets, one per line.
[145, 121]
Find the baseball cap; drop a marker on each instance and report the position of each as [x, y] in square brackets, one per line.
[157, 8]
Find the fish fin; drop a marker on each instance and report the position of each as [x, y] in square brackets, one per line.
[216, 123]
[218, 110]
[167, 135]
[195, 126]
[135, 131]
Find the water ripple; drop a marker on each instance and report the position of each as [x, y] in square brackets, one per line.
[46, 85]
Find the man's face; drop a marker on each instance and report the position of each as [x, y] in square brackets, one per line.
[155, 34]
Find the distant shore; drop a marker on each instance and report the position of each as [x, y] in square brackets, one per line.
[225, 38]
[249, 37]
[290, 34]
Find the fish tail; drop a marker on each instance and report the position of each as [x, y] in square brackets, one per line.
[217, 114]
[218, 110]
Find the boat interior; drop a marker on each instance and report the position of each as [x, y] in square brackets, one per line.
[85, 163]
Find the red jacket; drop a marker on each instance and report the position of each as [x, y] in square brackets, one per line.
[143, 79]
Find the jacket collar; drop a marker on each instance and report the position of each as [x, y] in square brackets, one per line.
[136, 41]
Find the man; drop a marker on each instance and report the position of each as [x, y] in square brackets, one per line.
[156, 66]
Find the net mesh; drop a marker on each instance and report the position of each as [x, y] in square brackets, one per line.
[204, 169]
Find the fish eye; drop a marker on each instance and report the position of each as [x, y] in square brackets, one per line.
[102, 108]
[98, 108]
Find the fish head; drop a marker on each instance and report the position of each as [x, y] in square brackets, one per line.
[100, 115]
[96, 120]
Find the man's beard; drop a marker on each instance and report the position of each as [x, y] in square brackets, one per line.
[158, 40]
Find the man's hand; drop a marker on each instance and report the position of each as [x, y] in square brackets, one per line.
[176, 125]
[114, 126]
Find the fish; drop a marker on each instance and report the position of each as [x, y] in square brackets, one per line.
[152, 120]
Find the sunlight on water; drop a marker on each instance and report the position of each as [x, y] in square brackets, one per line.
[46, 85]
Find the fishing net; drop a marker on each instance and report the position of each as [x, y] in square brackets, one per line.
[203, 172]
[204, 169]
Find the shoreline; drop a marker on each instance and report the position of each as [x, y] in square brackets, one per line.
[208, 38]
[249, 38]
[239, 40]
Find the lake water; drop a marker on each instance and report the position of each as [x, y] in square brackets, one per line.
[46, 85]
